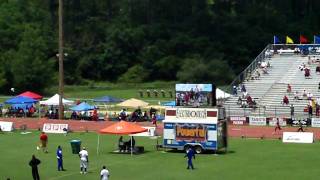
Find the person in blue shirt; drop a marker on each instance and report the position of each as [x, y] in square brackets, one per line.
[190, 154]
[60, 159]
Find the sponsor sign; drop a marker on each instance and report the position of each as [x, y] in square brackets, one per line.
[257, 121]
[297, 122]
[273, 122]
[238, 120]
[315, 122]
[297, 137]
[151, 132]
[54, 128]
[6, 126]
[196, 132]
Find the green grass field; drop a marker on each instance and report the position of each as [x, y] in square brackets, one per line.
[247, 159]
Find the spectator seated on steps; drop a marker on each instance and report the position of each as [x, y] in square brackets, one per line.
[285, 100]
[309, 96]
[296, 95]
[318, 69]
[307, 73]
[302, 67]
[289, 88]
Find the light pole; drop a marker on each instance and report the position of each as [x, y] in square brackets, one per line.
[61, 57]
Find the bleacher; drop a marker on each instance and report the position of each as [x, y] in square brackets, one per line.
[269, 89]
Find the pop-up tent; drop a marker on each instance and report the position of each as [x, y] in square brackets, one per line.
[133, 103]
[32, 95]
[107, 99]
[122, 128]
[221, 94]
[54, 101]
[20, 100]
[82, 107]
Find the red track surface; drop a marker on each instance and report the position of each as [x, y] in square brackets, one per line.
[233, 131]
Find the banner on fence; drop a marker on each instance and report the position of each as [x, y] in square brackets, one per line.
[315, 122]
[297, 137]
[238, 120]
[54, 128]
[273, 122]
[257, 121]
[297, 122]
[6, 126]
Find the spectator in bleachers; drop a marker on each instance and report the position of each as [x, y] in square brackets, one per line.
[249, 100]
[304, 93]
[289, 88]
[307, 73]
[310, 111]
[285, 100]
[319, 87]
[317, 109]
[296, 95]
[309, 96]
[292, 111]
[235, 91]
[243, 88]
[302, 67]
[318, 69]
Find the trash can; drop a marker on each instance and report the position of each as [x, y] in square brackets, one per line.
[75, 146]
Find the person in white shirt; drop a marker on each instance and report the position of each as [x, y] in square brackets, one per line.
[104, 174]
[84, 160]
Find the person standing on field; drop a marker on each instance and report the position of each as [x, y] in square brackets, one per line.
[44, 142]
[34, 167]
[104, 174]
[59, 158]
[84, 160]
[190, 154]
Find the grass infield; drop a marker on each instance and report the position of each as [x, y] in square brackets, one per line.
[247, 159]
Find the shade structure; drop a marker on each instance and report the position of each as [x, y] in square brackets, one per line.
[82, 107]
[123, 128]
[133, 103]
[54, 101]
[20, 100]
[32, 95]
[107, 99]
[221, 94]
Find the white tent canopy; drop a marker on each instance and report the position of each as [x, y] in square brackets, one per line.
[54, 101]
[221, 94]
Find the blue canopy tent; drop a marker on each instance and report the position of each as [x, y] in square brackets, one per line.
[169, 103]
[20, 100]
[83, 107]
[107, 99]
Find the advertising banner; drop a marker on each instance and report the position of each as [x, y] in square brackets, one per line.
[257, 121]
[297, 137]
[54, 128]
[196, 132]
[273, 122]
[6, 126]
[238, 120]
[315, 122]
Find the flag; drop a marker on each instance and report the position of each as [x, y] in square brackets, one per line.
[316, 40]
[303, 40]
[276, 40]
[289, 40]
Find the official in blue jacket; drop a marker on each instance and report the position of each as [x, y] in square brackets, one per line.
[190, 154]
[60, 159]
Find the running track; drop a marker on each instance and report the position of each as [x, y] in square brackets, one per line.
[233, 130]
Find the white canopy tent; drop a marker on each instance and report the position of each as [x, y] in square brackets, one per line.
[54, 101]
[221, 94]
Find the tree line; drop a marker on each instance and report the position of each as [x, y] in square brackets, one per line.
[142, 40]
